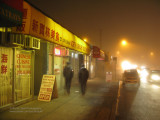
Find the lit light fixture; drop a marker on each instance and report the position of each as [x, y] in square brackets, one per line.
[72, 54]
[124, 42]
[118, 52]
[57, 51]
[85, 40]
[76, 55]
[151, 53]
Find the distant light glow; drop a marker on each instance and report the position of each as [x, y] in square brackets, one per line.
[155, 77]
[127, 65]
[151, 53]
[142, 67]
[143, 74]
[118, 52]
[155, 86]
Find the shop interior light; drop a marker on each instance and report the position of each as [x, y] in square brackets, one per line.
[76, 55]
[72, 54]
[57, 51]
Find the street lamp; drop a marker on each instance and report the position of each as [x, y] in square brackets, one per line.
[151, 53]
[124, 42]
[85, 39]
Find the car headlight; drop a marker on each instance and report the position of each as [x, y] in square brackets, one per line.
[155, 77]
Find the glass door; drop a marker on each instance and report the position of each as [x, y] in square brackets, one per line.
[23, 74]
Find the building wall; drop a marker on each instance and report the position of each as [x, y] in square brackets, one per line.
[40, 66]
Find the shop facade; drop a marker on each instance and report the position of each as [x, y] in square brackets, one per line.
[97, 66]
[17, 75]
[16, 62]
[37, 47]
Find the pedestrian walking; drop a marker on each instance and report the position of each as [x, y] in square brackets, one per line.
[83, 77]
[68, 74]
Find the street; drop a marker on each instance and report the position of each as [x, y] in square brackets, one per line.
[98, 103]
[139, 102]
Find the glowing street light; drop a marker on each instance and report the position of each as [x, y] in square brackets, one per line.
[124, 42]
[151, 53]
[85, 40]
[118, 52]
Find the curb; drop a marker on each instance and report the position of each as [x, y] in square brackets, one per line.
[115, 105]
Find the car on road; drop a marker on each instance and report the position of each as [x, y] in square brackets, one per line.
[154, 76]
[131, 76]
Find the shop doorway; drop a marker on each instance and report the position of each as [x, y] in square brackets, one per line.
[23, 74]
[58, 70]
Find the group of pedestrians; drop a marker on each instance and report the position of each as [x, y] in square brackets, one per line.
[82, 75]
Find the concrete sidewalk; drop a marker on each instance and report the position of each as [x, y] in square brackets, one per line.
[99, 103]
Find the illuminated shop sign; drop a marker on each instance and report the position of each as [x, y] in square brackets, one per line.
[37, 24]
[97, 53]
[57, 51]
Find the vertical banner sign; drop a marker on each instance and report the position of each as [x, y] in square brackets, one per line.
[48, 86]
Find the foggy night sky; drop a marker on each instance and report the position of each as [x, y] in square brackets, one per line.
[136, 20]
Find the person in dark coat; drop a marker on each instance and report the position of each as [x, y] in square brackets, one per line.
[68, 74]
[83, 77]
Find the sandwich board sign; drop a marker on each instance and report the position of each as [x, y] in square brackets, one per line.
[48, 89]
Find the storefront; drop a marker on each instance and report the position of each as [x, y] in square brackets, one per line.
[16, 78]
[16, 62]
[97, 63]
[57, 46]
[39, 46]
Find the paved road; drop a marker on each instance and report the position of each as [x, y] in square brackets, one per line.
[139, 102]
[97, 104]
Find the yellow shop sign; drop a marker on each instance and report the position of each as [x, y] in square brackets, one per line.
[45, 28]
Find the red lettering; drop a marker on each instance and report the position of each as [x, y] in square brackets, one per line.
[23, 56]
[42, 27]
[57, 36]
[47, 32]
[4, 58]
[4, 69]
[73, 44]
[52, 34]
[35, 25]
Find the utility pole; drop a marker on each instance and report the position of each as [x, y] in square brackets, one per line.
[100, 38]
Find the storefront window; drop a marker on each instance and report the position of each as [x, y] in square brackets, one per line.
[6, 73]
[86, 61]
[23, 65]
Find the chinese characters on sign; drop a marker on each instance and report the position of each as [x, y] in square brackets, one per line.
[37, 24]
[47, 86]
[4, 60]
[43, 30]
